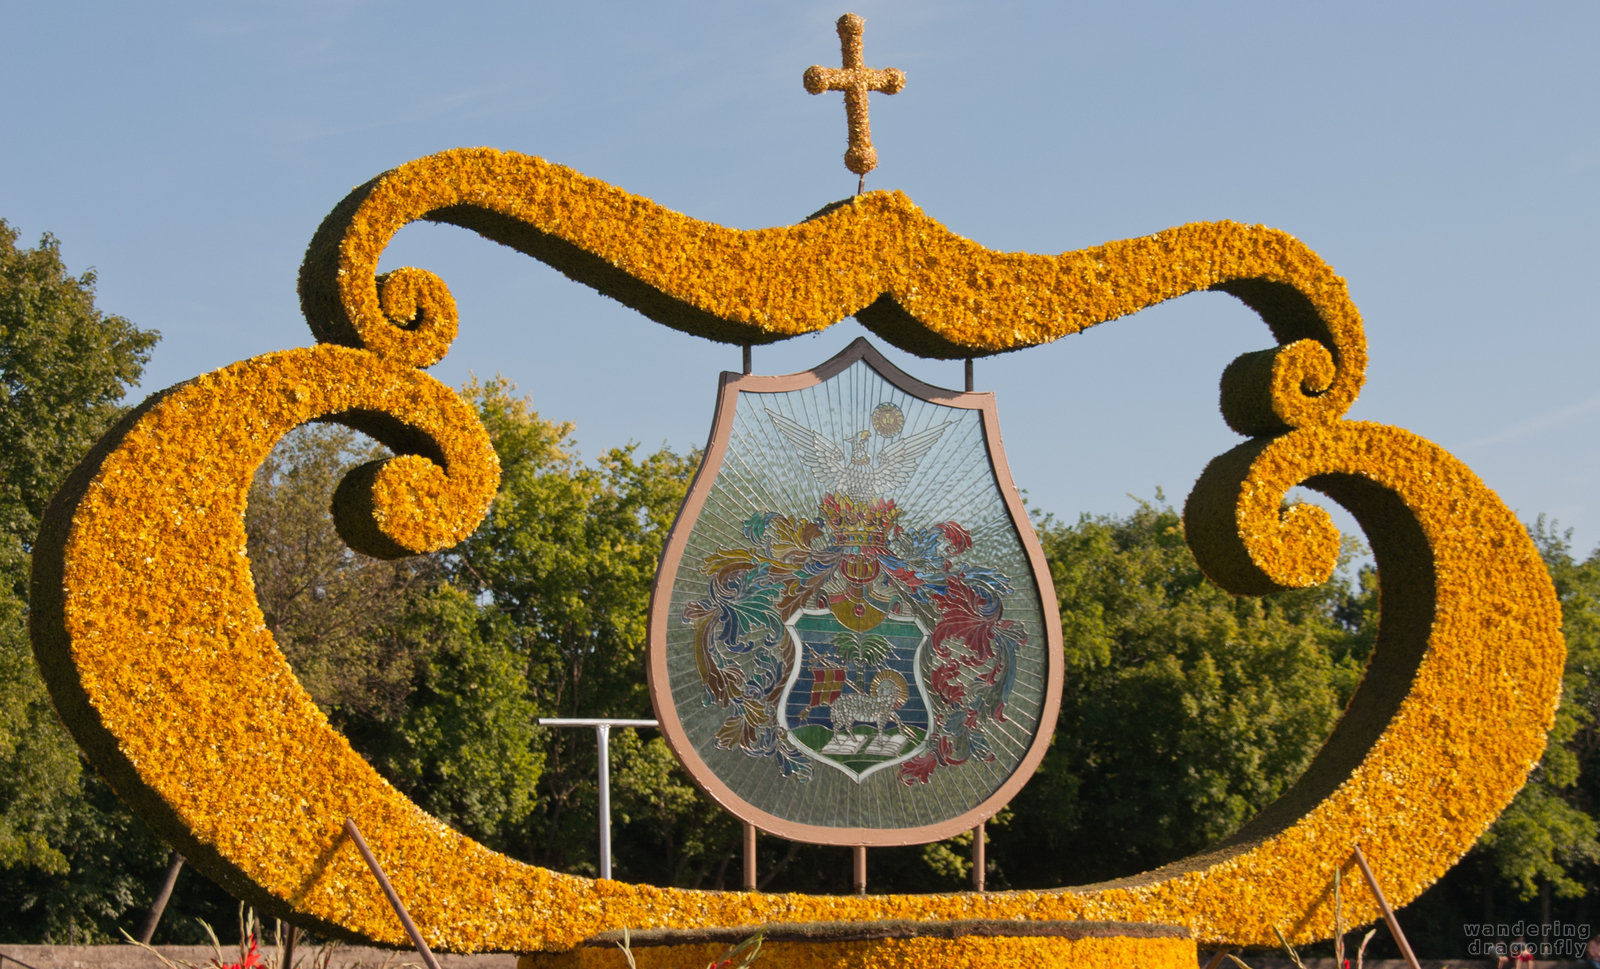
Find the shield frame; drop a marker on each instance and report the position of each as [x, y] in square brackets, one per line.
[730, 386]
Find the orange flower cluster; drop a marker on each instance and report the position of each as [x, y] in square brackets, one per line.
[145, 621]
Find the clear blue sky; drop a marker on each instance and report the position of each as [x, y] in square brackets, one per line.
[1443, 158]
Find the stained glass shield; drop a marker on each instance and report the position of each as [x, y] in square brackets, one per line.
[852, 635]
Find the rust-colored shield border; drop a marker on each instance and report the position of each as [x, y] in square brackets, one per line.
[663, 615]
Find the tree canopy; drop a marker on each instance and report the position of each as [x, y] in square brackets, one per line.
[1184, 710]
[64, 369]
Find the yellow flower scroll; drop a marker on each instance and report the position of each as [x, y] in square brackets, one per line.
[146, 625]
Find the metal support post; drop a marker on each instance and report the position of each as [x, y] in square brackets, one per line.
[290, 936]
[749, 857]
[602, 731]
[980, 861]
[389, 892]
[858, 874]
[152, 918]
[602, 736]
[1388, 913]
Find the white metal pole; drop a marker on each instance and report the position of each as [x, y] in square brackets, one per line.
[602, 730]
[602, 733]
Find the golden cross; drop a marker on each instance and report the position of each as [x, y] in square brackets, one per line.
[855, 81]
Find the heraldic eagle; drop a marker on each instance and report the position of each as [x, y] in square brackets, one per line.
[857, 475]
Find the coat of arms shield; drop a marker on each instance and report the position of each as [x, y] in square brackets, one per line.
[853, 635]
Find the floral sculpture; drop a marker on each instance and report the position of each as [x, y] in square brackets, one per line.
[145, 622]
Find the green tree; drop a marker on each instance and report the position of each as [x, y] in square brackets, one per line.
[1184, 711]
[111, 860]
[64, 369]
[666, 831]
[323, 602]
[568, 554]
[425, 684]
[566, 558]
[464, 745]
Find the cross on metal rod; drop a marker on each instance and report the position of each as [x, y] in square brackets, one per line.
[855, 80]
[602, 731]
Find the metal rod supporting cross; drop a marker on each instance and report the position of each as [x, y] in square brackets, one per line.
[602, 731]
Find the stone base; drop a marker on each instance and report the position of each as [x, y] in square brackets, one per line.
[895, 945]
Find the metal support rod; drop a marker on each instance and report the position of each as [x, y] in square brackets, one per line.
[152, 918]
[747, 358]
[979, 858]
[1388, 913]
[602, 736]
[602, 730]
[969, 375]
[388, 890]
[291, 935]
[749, 857]
[858, 866]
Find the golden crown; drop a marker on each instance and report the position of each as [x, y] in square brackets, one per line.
[859, 523]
